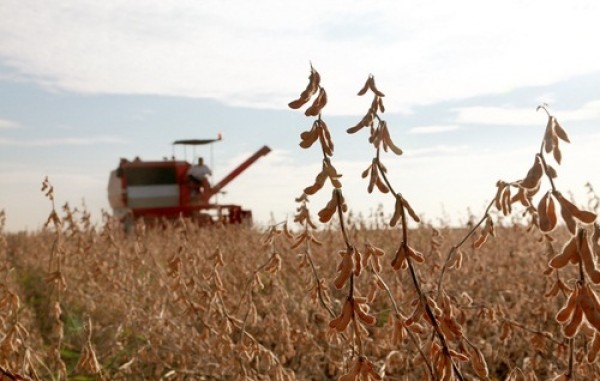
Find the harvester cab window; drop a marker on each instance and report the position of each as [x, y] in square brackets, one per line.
[152, 187]
[150, 176]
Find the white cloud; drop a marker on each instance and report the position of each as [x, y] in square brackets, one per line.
[524, 116]
[499, 116]
[51, 142]
[589, 111]
[4, 123]
[28, 176]
[437, 150]
[26, 206]
[257, 54]
[254, 54]
[432, 129]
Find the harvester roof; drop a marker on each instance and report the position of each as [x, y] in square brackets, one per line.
[195, 142]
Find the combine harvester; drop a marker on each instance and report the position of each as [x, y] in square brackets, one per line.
[156, 190]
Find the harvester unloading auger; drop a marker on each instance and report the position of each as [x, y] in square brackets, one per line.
[162, 189]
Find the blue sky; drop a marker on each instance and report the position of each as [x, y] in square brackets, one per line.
[83, 83]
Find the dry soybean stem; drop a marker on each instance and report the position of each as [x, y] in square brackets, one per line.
[317, 280]
[459, 245]
[338, 195]
[383, 137]
[545, 335]
[412, 336]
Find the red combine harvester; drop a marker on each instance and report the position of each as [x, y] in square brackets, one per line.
[154, 190]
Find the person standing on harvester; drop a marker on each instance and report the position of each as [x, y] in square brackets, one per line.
[197, 174]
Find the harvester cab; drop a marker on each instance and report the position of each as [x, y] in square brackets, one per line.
[154, 190]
